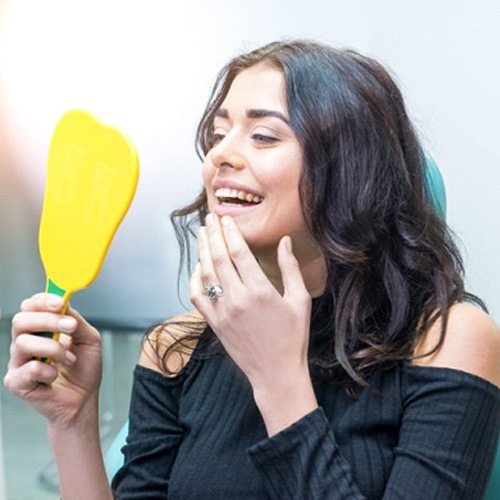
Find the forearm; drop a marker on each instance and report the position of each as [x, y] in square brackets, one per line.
[79, 459]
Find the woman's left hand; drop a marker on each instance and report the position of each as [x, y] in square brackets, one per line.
[264, 332]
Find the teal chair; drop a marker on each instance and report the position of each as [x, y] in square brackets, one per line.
[493, 491]
[436, 187]
[114, 458]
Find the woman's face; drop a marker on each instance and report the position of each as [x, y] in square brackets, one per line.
[252, 172]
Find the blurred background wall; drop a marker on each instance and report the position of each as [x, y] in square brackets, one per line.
[147, 66]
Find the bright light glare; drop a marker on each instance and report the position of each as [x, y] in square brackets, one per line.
[123, 61]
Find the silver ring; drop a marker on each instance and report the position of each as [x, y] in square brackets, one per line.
[214, 291]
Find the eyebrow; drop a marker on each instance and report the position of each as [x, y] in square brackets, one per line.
[255, 113]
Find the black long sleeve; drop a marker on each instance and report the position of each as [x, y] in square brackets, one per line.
[153, 439]
[447, 438]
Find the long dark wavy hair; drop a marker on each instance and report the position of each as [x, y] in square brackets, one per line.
[393, 265]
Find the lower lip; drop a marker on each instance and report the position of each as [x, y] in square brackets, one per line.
[233, 210]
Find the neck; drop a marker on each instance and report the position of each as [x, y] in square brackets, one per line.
[313, 271]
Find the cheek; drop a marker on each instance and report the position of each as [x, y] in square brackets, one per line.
[288, 182]
[280, 173]
[208, 173]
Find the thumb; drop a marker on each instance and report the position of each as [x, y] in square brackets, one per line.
[84, 332]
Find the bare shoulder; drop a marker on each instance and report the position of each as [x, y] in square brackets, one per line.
[155, 353]
[471, 344]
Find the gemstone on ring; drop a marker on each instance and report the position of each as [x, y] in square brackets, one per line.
[214, 291]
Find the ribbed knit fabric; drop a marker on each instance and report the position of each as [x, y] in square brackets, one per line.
[424, 433]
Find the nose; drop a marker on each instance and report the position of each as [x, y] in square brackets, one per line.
[228, 153]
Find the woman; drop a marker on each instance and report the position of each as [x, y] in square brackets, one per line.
[332, 352]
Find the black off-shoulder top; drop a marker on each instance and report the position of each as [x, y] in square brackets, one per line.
[417, 433]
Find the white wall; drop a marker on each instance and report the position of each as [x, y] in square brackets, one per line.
[148, 69]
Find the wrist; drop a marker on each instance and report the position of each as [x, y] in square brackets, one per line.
[78, 454]
[82, 420]
[284, 401]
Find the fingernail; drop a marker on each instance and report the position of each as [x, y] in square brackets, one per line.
[209, 220]
[225, 220]
[66, 324]
[54, 302]
[70, 357]
[288, 243]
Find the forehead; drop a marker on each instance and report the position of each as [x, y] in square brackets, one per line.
[260, 86]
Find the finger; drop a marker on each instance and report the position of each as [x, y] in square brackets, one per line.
[221, 260]
[26, 347]
[291, 275]
[84, 333]
[197, 294]
[43, 315]
[35, 322]
[43, 302]
[240, 254]
[206, 270]
[195, 283]
[23, 380]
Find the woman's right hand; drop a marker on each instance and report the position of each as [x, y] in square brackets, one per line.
[65, 390]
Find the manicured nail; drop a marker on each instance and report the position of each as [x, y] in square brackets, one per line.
[209, 220]
[225, 220]
[70, 357]
[288, 243]
[66, 324]
[54, 302]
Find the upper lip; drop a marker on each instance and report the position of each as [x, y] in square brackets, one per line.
[232, 184]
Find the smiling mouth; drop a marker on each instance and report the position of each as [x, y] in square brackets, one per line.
[228, 196]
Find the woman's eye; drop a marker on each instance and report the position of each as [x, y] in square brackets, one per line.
[263, 139]
[216, 137]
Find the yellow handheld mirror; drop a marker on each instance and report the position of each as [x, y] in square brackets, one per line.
[92, 174]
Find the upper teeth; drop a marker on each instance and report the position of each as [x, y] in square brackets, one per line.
[237, 194]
